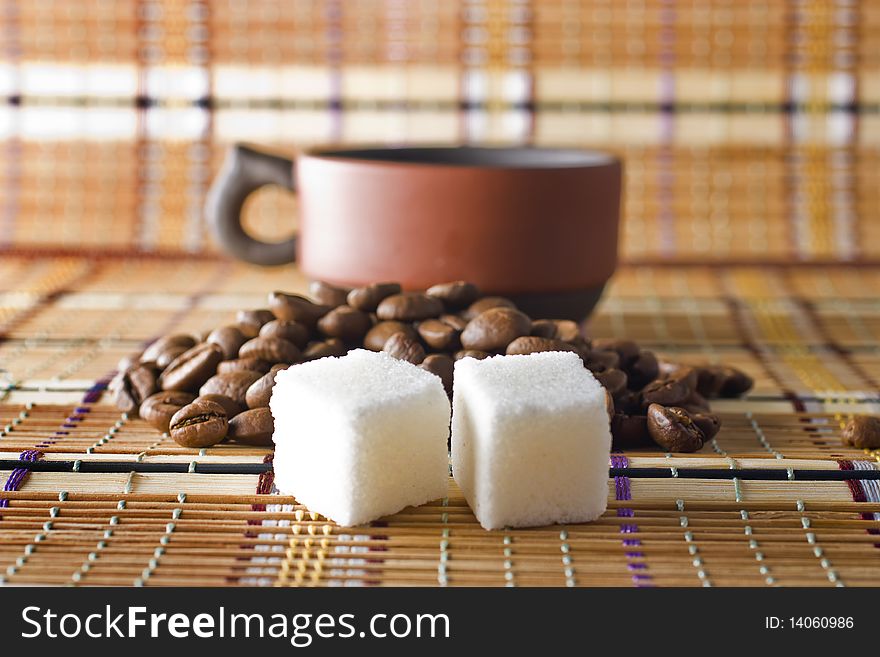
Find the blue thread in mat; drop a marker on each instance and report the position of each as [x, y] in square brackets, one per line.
[623, 491]
[16, 477]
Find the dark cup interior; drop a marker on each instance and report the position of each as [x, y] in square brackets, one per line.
[475, 156]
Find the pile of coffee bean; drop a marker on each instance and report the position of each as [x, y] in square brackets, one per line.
[217, 387]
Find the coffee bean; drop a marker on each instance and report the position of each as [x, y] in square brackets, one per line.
[127, 362]
[567, 330]
[599, 361]
[229, 339]
[471, 353]
[609, 405]
[495, 328]
[439, 335]
[673, 429]
[231, 384]
[709, 380]
[199, 424]
[862, 432]
[613, 380]
[708, 423]
[158, 409]
[442, 366]
[328, 347]
[629, 431]
[368, 298]
[240, 364]
[296, 308]
[544, 328]
[167, 357]
[294, 332]
[455, 321]
[133, 386]
[346, 323]
[695, 403]
[327, 294]
[482, 305]
[457, 294]
[630, 402]
[231, 406]
[151, 354]
[734, 382]
[409, 307]
[250, 321]
[627, 350]
[405, 348]
[377, 336]
[529, 344]
[192, 368]
[668, 392]
[679, 372]
[642, 370]
[253, 427]
[272, 350]
[260, 391]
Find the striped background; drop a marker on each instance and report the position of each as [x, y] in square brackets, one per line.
[750, 129]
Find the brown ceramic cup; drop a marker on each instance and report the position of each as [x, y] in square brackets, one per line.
[538, 225]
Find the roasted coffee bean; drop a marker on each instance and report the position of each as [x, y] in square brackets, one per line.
[668, 392]
[734, 382]
[240, 364]
[405, 348]
[250, 321]
[158, 409]
[249, 331]
[377, 336]
[409, 307]
[642, 370]
[272, 350]
[199, 424]
[862, 432]
[327, 294]
[167, 357]
[678, 372]
[673, 429]
[133, 386]
[630, 402]
[629, 431]
[544, 328]
[369, 297]
[192, 368]
[231, 384]
[441, 365]
[708, 423]
[695, 403]
[151, 354]
[471, 353]
[252, 427]
[231, 406]
[495, 328]
[439, 335]
[296, 308]
[567, 330]
[709, 380]
[529, 344]
[260, 392]
[229, 339]
[457, 294]
[482, 305]
[599, 361]
[455, 321]
[294, 332]
[627, 350]
[325, 348]
[346, 323]
[127, 362]
[613, 380]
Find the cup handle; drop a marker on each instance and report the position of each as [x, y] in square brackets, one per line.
[244, 171]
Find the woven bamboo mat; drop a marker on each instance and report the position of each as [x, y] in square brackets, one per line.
[775, 499]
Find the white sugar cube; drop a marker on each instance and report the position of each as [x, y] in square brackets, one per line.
[361, 436]
[530, 439]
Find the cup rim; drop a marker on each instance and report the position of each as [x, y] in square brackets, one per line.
[502, 158]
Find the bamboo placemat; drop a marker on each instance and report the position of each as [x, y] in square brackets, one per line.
[775, 499]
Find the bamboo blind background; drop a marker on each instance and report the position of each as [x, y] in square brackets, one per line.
[750, 129]
[111, 501]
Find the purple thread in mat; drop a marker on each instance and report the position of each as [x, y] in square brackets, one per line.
[623, 491]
